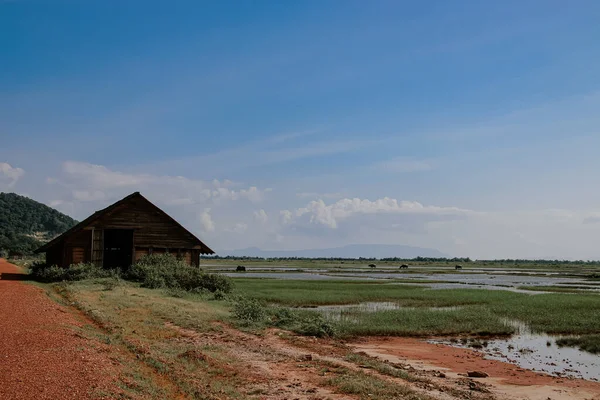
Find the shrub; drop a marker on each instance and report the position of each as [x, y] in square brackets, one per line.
[166, 271]
[306, 323]
[315, 326]
[41, 272]
[249, 311]
[219, 295]
[284, 317]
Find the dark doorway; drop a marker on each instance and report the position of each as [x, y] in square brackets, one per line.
[118, 247]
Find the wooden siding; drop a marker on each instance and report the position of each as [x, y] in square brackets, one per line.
[97, 247]
[77, 255]
[152, 228]
[154, 232]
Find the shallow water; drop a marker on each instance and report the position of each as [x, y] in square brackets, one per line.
[479, 279]
[296, 276]
[538, 352]
[485, 281]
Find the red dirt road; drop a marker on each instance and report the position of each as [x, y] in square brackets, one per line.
[41, 354]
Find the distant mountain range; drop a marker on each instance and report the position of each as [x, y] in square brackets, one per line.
[349, 251]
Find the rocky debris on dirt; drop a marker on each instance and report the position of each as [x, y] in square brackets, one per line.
[306, 357]
[477, 374]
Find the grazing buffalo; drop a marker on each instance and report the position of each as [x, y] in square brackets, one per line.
[372, 265]
[404, 266]
[240, 268]
[458, 267]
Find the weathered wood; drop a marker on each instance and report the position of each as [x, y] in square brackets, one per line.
[77, 255]
[98, 246]
[153, 232]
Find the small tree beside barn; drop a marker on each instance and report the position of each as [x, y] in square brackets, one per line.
[121, 234]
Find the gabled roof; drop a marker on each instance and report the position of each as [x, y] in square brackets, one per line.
[98, 214]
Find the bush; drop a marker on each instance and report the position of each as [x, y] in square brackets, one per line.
[315, 326]
[307, 323]
[249, 311]
[284, 317]
[41, 272]
[166, 271]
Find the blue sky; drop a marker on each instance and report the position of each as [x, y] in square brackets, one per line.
[467, 126]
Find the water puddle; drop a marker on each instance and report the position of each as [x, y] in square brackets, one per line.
[536, 352]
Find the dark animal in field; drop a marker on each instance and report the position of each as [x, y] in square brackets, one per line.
[372, 265]
[458, 267]
[240, 268]
[404, 266]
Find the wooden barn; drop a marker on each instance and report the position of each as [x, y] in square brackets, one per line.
[122, 233]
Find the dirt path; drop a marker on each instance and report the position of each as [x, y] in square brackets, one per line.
[506, 381]
[41, 355]
[282, 366]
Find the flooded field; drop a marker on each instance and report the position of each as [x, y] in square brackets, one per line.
[527, 349]
[294, 276]
[521, 283]
[536, 352]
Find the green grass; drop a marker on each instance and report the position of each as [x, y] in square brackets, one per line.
[482, 311]
[560, 289]
[473, 320]
[369, 387]
[133, 318]
[589, 343]
[314, 293]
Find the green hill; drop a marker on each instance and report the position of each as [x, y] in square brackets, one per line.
[26, 224]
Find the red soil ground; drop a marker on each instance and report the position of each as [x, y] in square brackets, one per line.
[508, 380]
[41, 354]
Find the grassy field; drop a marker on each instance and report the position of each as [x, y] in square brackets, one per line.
[135, 319]
[181, 349]
[562, 289]
[480, 312]
[565, 311]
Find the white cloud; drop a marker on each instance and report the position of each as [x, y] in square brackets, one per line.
[592, 218]
[239, 228]
[208, 208]
[261, 216]
[330, 215]
[206, 220]
[225, 215]
[9, 174]
[286, 216]
[91, 182]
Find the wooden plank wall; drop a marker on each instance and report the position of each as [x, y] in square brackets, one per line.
[154, 232]
[77, 255]
[78, 248]
[152, 228]
[97, 247]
